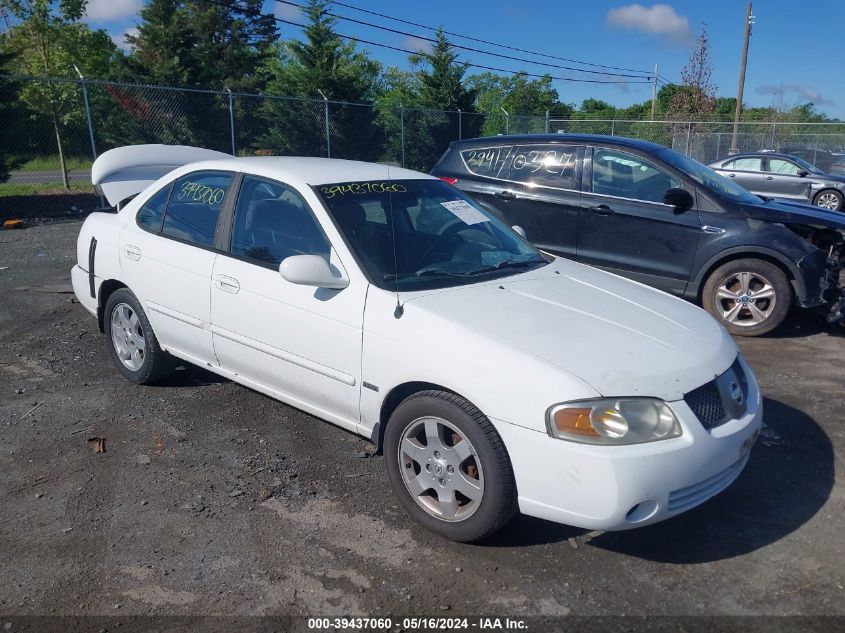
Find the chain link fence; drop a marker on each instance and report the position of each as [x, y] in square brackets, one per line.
[52, 129]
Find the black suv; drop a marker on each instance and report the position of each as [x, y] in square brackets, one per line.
[656, 216]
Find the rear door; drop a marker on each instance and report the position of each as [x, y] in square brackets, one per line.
[782, 179]
[481, 174]
[624, 226]
[167, 256]
[550, 202]
[748, 173]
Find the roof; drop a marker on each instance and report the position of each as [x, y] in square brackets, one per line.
[622, 141]
[760, 154]
[321, 171]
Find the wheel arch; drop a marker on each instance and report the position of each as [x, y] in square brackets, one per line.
[755, 252]
[396, 396]
[106, 290]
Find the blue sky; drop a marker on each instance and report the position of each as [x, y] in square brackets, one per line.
[795, 54]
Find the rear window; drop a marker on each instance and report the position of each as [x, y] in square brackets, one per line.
[551, 165]
[486, 161]
[745, 164]
[195, 205]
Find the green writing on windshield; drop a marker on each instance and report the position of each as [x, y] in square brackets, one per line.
[360, 188]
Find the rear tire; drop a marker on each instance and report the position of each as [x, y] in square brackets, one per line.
[750, 297]
[829, 199]
[132, 344]
[449, 467]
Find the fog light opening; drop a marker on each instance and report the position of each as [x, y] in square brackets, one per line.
[642, 511]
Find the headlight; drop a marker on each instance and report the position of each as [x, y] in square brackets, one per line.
[613, 421]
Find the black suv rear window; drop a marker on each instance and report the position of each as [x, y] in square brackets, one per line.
[552, 165]
[486, 161]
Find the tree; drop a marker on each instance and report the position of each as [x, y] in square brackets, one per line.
[8, 105]
[202, 44]
[399, 95]
[695, 98]
[198, 44]
[518, 95]
[322, 63]
[441, 87]
[47, 38]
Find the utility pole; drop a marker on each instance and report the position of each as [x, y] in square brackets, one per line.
[749, 22]
[654, 92]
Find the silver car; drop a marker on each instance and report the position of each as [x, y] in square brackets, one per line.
[783, 176]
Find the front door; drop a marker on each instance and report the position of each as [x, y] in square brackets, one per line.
[549, 204]
[626, 229]
[167, 256]
[301, 343]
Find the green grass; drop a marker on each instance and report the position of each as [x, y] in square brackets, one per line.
[51, 163]
[38, 189]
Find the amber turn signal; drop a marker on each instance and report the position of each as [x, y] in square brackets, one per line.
[574, 421]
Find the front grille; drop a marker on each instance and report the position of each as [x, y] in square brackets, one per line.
[706, 404]
[719, 400]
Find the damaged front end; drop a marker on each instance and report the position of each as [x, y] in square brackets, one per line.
[822, 272]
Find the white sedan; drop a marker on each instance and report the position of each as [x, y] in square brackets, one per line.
[494, 378]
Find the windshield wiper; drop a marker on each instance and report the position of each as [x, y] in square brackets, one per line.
[432, 272]
[508, 263]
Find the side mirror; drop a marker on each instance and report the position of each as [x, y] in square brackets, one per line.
[680, 199]
[803, 173]
[310, 270]
[519, 231]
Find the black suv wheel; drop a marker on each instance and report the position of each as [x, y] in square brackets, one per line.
[749, 296]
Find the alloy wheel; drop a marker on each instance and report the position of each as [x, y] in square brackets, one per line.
[828, 200]
[745, 298]
[441, 469]
[127, 336]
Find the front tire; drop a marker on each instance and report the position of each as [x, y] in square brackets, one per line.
[449, 467]
[829, 199]
[750, 297]
[131, 342]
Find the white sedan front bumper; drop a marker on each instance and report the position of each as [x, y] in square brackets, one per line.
[622, 487]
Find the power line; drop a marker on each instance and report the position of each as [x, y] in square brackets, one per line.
[469, 48]
[475, 39]
[409, 52]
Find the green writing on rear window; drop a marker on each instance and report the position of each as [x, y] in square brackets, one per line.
[198, 192]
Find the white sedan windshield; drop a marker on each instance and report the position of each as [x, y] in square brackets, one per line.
[415, 234]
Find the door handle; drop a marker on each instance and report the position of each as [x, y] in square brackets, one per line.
[506, 195]
[601, 209]
[132, 252]
[731, 175]
[770, 178]
[227, 284]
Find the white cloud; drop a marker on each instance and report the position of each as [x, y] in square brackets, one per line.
[805, 93]
[120, 38]
[658, 19]
[106, 10]
[286, 11]
[417, 44]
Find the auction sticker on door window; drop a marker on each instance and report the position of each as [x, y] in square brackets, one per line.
[465, 212]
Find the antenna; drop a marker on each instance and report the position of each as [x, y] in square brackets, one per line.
[397, 313]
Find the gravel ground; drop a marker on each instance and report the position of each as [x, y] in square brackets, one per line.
[213, 499]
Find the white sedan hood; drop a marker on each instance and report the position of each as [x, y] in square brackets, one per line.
[620, 337]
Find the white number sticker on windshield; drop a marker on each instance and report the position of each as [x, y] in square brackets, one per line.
[465, 212]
